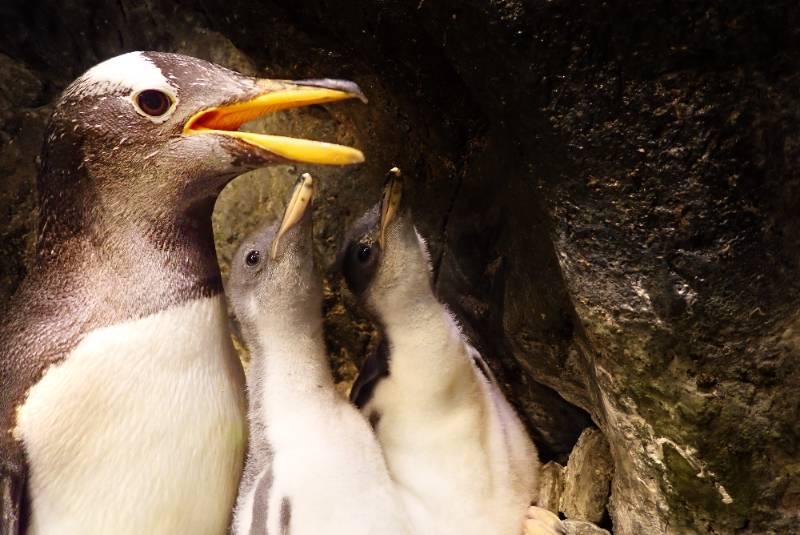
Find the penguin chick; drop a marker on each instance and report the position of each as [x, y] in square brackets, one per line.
[455, 447]
[120, 393]
[314, 465]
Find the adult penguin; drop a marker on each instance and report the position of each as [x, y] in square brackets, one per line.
[121, 399]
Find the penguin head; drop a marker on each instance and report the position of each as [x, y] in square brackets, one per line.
[384, 259]
[273, 273]
[147, 133]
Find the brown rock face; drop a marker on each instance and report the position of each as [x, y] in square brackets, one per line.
[579, 527]
[611, 191]
[551, 486]
[587, 478]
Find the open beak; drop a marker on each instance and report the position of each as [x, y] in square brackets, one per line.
[296, 209]
[390, 202]
[226, 119]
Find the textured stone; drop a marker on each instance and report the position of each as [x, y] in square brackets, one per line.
[23, 114]
[551, 486]
[587, 478]
[19, 87]
[580, 527]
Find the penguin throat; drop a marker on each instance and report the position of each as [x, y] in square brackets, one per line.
[288, 361]
[162, 253]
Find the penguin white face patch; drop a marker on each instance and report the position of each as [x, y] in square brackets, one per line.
[129, 75]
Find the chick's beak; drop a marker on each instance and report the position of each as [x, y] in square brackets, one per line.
[274, 96]
[296, 209]
[390, 202]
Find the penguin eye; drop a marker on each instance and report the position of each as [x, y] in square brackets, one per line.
[153, 102]
[252, 258]
[363, 253]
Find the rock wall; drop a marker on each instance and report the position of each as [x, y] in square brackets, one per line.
[611, 191]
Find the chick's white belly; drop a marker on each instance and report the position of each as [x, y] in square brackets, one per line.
[346, 491]
[467, 467]
[140, 429]
[328, 468]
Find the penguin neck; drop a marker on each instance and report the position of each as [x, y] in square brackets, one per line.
[159, 253]
[425, 340]
[290, 365]
[408, 299]
[417, 316]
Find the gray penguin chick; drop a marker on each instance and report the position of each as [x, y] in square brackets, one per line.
[313, 465]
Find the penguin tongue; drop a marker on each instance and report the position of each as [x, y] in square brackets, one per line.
[226, 119]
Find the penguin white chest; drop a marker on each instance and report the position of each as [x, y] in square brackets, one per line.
[140, 429]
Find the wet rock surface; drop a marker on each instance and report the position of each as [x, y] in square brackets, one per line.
[611, 192]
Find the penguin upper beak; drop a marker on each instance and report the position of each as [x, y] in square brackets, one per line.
[281, 95]
[390, 202]
[296, 209]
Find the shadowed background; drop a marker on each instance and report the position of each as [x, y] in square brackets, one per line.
[611, 192]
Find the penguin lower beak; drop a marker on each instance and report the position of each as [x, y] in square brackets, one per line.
[296, 209]
[279, 95]
[390, 202]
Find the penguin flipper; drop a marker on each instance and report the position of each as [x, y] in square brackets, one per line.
[13, 474]
[374, 368]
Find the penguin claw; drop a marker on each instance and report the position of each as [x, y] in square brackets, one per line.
[540, 521]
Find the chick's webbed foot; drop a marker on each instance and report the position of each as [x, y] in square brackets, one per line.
[540, 521]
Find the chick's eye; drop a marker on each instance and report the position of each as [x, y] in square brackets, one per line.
[364, 252]
[153, 102]
[252, 258]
